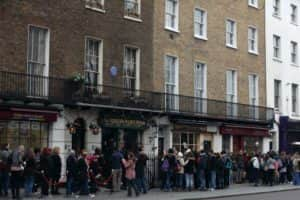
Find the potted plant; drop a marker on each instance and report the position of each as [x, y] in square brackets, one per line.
[94, 129]
[77, 81]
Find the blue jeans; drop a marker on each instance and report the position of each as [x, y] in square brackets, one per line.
[169, 175]
[70, 185]
[296, 178]
[179, 181]
[4, 182]
[84, 186]
[141, 184]
[213, 177]
[28, 184]
[202, 179]
[189, 181]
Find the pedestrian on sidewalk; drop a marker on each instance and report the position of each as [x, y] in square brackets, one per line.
[116, 170]
[4, 170]
[45, 166]
[71, 173]
[212, 170]
[130, 174]
[220, 172]
[16, 169]
[29, 171]
[296, 164]
[255, 169]
[141, 163]
[189, 170]
[271, 163]
[55, 171]
[180, 171]
[202, 163]
[82, 174]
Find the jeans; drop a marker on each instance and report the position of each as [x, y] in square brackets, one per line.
[189, 181]
[141, 184]
[84, 186]
[70, 185]
[296, 178]
[255, 175]
[28, 185]
[271, 174]
[4, 182]
[179, 181]
[131, 184]
[213, 177]
[202, 179]
[167, 185]
[15, 183]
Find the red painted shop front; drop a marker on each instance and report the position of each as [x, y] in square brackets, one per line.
[247, 139]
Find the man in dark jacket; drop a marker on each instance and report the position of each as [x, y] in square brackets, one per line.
[140, 170]
[212, 170]
[4, 170]
[45, 166]
[201, 169]
[71, 173]
[55, 170]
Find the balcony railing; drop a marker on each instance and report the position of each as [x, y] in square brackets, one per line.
[18, 86]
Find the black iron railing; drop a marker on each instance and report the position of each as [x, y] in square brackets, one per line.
[18, 86]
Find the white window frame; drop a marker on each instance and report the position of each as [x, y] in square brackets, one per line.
[96, 87]
[252, 40]
[175, 15]
[294, 52]
[279, 106]
[276, 8]
[231, 35]
[137, 69]
[200, 86]
[136, 16]
[253, 3]
[276, 47]
[202, 24]
[231, 92]
[100, 8]
[34, 83]
[294, 14]
[174, 96]
[295, 99]
[253, 95]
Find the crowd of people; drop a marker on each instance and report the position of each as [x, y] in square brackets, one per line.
[209, 171]
[41, 170]
[85, 173]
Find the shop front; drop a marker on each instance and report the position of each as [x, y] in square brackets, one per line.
[289, 135]
[241, 138]
[194, 137]
[28, 127]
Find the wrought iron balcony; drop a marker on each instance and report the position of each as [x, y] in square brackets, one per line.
[18, 86]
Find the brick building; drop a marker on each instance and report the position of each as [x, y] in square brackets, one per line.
[85, 74]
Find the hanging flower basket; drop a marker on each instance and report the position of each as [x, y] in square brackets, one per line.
[71, 128]
[77, 81]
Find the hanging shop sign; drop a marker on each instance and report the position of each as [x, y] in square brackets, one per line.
[244, 131]
[28, 114]
[123, 123]
[190, 128]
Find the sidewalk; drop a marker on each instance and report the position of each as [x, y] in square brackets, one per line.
[156, 194]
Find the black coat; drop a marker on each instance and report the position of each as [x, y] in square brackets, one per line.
[71, 166]
[45, 165]
[30, 167]
[55, 166]
[82, 169]
[140, 165]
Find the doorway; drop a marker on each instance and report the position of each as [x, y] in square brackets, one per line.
[78, 138]
[238, 144]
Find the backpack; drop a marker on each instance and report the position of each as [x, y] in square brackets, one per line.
[177, 166]
[228, 164]
[165, 165]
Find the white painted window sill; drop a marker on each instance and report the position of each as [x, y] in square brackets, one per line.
[96, 9]
[253, 52]
[231, 46]
[277, 16]
[133, 18]
[172, 30]
[253, 6]
[277, 60]
[200, 37]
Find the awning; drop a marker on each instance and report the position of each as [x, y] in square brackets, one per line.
[28, 114]
[244, 131]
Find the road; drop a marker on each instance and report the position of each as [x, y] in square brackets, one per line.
[288, 195]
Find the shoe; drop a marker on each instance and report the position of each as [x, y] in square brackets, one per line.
[77, 196]
[92, 196]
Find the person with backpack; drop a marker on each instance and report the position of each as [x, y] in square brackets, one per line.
[202, 163]
[167, 167]
[179, 171]
[4, 170]
[141, 163]
[228, 166]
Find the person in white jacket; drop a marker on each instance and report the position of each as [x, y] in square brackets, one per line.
[255, 168]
